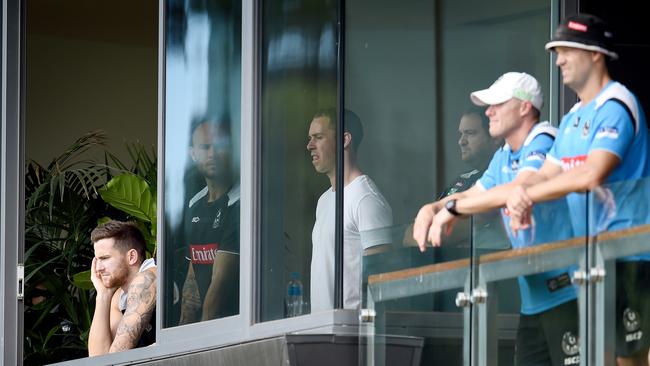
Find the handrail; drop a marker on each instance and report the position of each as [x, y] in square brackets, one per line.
[603, 239]
[418, 271]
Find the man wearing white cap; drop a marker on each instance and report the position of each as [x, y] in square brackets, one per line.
[602, 140]
[548, 300]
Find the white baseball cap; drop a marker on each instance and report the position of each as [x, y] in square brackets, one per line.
[511, 85]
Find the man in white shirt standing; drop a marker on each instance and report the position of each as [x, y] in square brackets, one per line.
[364, 211]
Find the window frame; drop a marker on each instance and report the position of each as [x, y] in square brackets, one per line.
[246, 326]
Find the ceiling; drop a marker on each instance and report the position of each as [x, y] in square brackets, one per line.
[120, 21]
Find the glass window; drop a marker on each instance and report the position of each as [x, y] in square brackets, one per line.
[298, 82]
[202, 159]
[618, 215]
[409, 71]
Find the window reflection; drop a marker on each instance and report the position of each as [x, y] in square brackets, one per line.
[211, 229]
[409, 71]
[202, 159]
[298, 79]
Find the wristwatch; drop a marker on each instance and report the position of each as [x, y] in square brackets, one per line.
[451, 207]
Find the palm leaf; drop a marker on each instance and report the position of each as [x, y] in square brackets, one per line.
[39, 267]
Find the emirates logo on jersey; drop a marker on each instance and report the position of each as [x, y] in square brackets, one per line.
[571, 162]
[203, 253]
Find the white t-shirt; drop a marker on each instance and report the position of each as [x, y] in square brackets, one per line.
[364, 209]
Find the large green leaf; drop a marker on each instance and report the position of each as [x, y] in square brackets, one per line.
[82, 280]
[132, 195]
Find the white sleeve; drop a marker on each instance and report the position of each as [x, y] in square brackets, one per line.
[375, 221]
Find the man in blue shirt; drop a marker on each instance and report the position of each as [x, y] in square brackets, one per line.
[548, 300]
[602, 140]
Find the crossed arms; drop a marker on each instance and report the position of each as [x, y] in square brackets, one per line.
[552, 183]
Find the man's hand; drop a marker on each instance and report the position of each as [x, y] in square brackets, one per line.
[518, 223]
[518, 207]
[443, 221]
[429, 225]
[103, 292]
[422, 223]
[106, 316]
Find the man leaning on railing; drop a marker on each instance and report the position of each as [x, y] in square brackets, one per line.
[548, 313]
[603, 139]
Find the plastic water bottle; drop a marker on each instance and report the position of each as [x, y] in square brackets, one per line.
[293, 301]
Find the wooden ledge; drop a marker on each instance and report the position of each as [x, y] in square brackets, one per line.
[505, 255]
[417, 271]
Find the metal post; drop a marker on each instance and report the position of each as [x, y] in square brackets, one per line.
[340, 129]
[603, 343]
[11, 181]
[487, 339]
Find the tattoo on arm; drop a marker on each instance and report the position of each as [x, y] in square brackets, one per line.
[141, 303]
[191, 300]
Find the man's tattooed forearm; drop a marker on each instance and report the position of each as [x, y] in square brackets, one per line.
[140, 305]
[191, 301]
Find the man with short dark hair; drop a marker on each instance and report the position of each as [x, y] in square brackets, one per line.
[364, 209]
[125, 283]
[476, 150]
[603, 139]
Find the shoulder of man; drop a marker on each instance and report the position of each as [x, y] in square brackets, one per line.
[540, 130]
[234, 195]
[198, 196]
[144, 279]
[537, 145]
[141, 296]
[364, 188]
[618, 94]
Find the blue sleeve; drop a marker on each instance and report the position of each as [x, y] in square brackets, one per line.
[488, 179]
[534, 154]
[553, 154]
[613, 129]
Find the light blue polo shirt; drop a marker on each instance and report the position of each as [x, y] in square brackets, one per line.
[612, 122]
[550, 221]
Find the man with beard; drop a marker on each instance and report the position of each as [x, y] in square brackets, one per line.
[476, 150]
[126, 290]
[211, 288]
